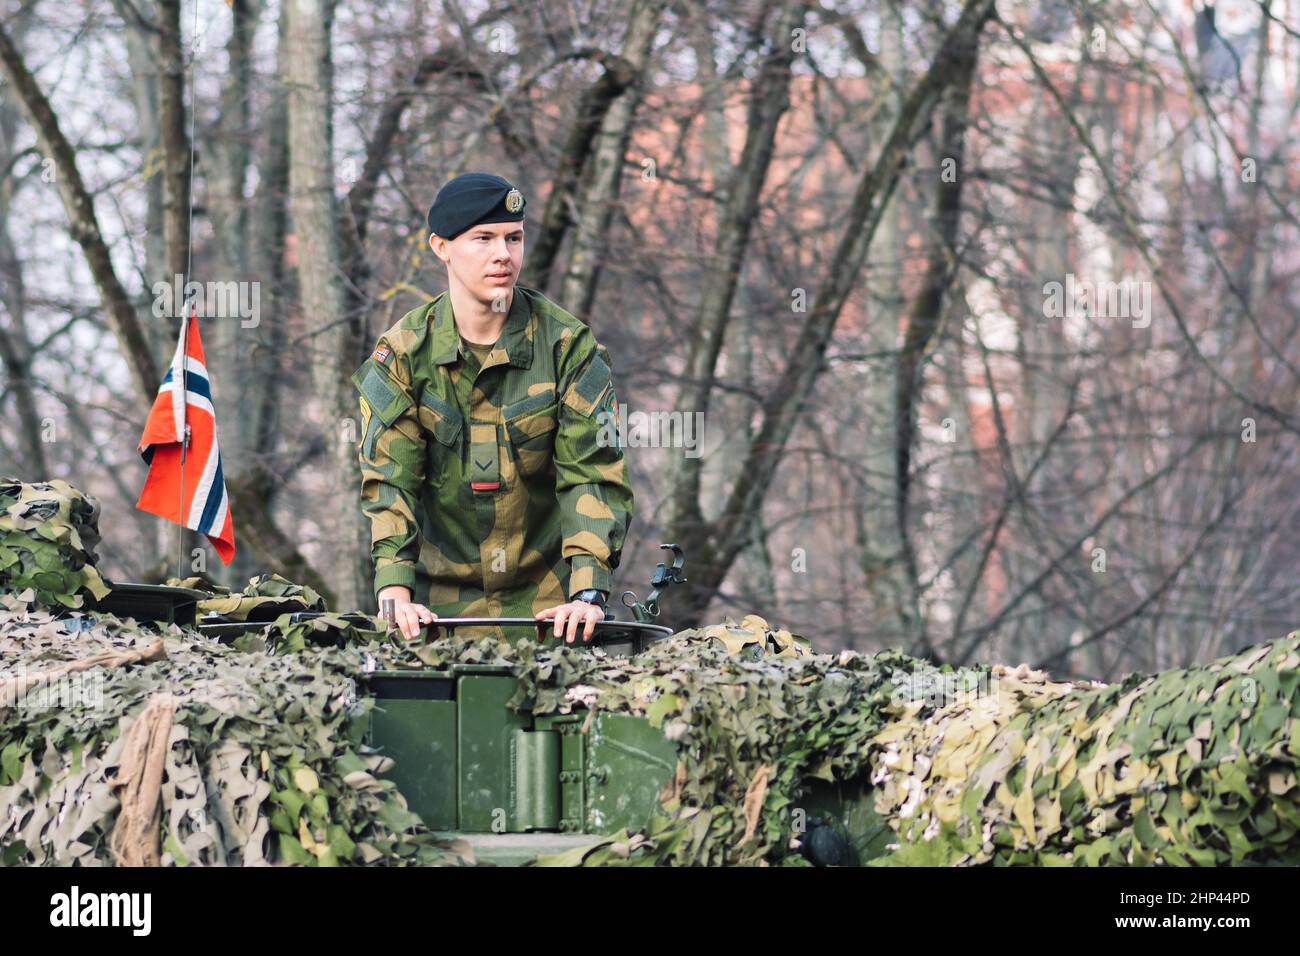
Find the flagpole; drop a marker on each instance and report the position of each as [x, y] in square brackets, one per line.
[185, 430]
[187, 313]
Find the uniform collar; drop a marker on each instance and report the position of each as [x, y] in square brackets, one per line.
[516, 336]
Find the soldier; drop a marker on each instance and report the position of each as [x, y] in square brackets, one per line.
[483, 473]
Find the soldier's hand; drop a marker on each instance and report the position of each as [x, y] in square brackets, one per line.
[408, 617]
[573, 615]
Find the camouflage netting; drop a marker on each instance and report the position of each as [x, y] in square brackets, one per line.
[199, 752]
[48, 534]
[265, 598]
[260, 762]
[979, 765]
[1194, 766]
[1188, 766]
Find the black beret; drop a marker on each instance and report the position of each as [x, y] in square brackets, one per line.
[474, 198]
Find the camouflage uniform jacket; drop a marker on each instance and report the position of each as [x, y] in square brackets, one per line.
[492, 491]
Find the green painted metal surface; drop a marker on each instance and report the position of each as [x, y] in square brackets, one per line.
[420, 736]
[628, 761]
[150, 602]
[467, 764]
[484, 734]
[572, 775]
[536, 780]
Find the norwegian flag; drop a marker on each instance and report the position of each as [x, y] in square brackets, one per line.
[178, 411]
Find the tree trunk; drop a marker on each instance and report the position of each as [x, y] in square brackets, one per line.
[15, 347]
[768, 102]
[716, 545]
[330, 337]
[923, 325]
[591, 114]
[881, 538]
[175, 142]
[82, 222]
[143, 62]
[578, 291]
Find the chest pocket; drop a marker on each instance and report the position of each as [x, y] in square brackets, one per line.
[530, 425]
[439, 419]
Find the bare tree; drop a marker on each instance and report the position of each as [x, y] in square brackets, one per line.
[842, 249]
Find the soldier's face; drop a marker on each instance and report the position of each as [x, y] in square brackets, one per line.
[485, 259]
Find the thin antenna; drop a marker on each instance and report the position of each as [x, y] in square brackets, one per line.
[187, 313]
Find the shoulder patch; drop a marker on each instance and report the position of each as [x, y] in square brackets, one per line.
[593, 379]
[382, 354]
[384, 396]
